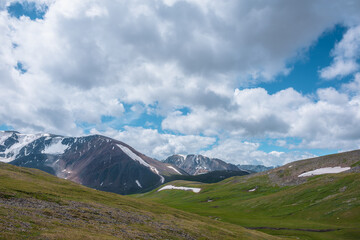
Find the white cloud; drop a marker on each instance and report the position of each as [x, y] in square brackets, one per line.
[339, 68]
[252, 112]
[86, 59]
[162, 145]
[182, 53]
[354, 86]
[346, 54]
[242, 152]
[328, 121]
[158, 145]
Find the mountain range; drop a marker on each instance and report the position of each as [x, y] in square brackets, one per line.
[106, 164]
[198, 164]
[95, 161]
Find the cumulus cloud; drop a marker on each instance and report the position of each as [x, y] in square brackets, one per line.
[87, 59]
[339, 68]
[233, 150]
[174, 53]
[328, 121]
[353, 87]
[158, 145]
[243, 152]
[346, 54]
[253, 112]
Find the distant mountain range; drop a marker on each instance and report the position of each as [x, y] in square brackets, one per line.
[107, 164]
[199, 164]
[95, 161]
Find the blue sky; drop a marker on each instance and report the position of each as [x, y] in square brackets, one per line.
[27, 9]
[304, 76]
[248, 82]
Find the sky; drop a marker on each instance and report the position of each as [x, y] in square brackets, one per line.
[249, 82]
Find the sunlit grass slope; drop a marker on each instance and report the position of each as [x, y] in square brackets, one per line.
[329, 203]
[36, 205]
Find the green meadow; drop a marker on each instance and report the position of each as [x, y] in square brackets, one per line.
[324, 207]
[36, 205]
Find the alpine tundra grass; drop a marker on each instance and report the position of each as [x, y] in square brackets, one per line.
[324, 207]
[37, 205]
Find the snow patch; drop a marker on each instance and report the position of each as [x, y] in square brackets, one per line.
[154, 170]
[4, 136]
[23, 140]
[252, 190]
[6, 160]
[162, 179]
[56, 147]
[167, 187]
[135, 157]
[324, 171]
[174, 169]
[138, 183]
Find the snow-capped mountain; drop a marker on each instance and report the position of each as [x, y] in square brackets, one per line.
[198, 164]
[94, 161]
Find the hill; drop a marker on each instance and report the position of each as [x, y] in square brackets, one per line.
[37, 205]
[280, 201]
[288, 174]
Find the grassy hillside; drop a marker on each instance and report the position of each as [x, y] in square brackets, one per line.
[319, 207]
[36, 205]
[287, 175]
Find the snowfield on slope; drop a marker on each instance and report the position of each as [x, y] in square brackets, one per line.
[56, 147]
[23, 140]
[324, 171]
[168, 187]
[171, 167]
[138, 183]
[135, 157]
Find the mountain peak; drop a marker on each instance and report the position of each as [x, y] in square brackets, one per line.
[195, 164]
